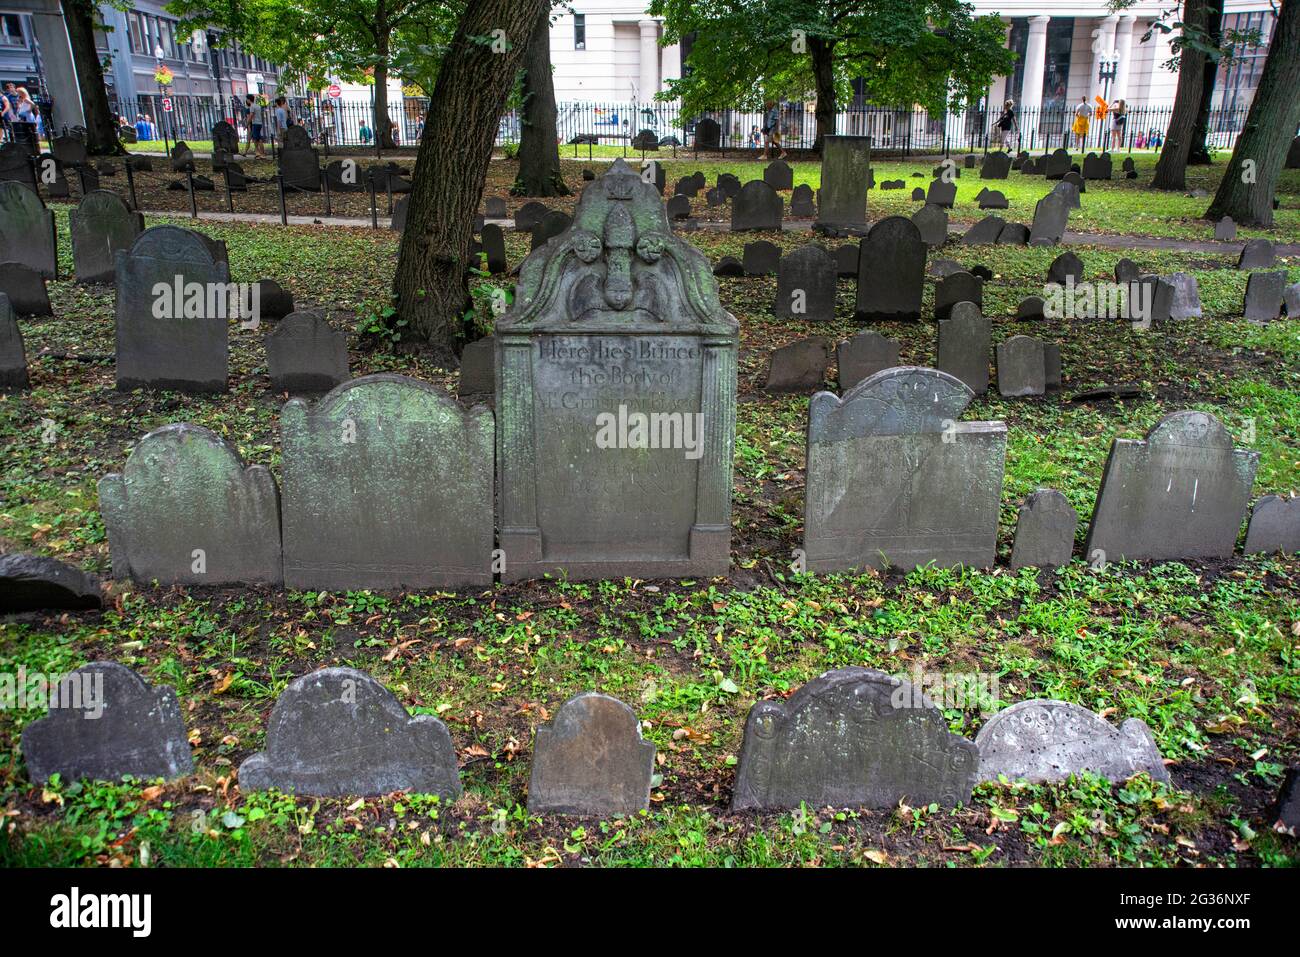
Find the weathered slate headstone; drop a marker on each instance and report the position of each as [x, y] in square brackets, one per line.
[494, 207]
[1179, 493]
[1291, 300]
[1014, 234]
[1022, 368]
[1052, 365]
[1154, 294]
[1263, 300]
[845, 177]
[1097, 167]
[1069, 191]
[846, 260]
[756, 206]
[944, 267]
[997, 165]
[853, 737]
[478, 370]
[653, 172]
[387, 484]
[1030, 167]
[16, 165]
[1257, 254]
[101, 225]
[863, 356]
[802, 203]
[494, 247]
[40, 583]
[761, 258]
[109, 723]
[13, 358]
[955, 288]
[729, 185]
[306, 355]
[891, 271]
[645, 141]
[529, 215]
[1043, 740]
[1055, 164]
[590, 760]
[1186, 303]
[225, 137]
[963, 347]
[687, 186]
[274, 301]
[617, 320]
[1065, 266]
[941, 193]
[779, 175]
[715, 197]
[1128, 165]
[295, 137]
[918, 194]
[27, 233]
[346, 176]
[895, 480]
[932, 222]
[185, 509]
[1051, 216]
[1031, 308]
[1044, 531]
[729, 266]
[993, 199]
[25, 289]
[708, 134]
[678, 207]
[69, 150]
[187, 350]
[182, 158]
[985, 232]
[1225, 230]
[1274, 525]
[338, 732]
[894, 184]
[800, 366]
[1127, 271]
[553, 224]
[805, 285]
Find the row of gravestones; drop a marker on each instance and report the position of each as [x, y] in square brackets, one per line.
[854, 737]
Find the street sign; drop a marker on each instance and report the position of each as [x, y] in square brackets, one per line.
[335, 91]
[167, 104]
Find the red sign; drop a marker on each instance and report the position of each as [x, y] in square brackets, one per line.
[335, 91]
[167, 104]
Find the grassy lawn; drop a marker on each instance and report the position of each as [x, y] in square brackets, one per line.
[1205, 653]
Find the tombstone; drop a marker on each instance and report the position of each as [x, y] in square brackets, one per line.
[1031, 309]
[805, 285]
[645, 141]
[39, 583]
[590, 760]
[863, 356]
[1126, 271]
[616, 305]
[346, 176]
[478, 370]
[295, 137]
[657, 176]
[387, 484]
[27, 233]
[16, 165]
[1022, 367]
[932, 222]
[800, 366]
[1097, 167]
[947, 167]
[756, 206]
[101, 225]
[494, 246]
[25, 289]
[553, 224]
[708, 134]
[69, 150]
[845, 173]
[997, 165]
[305, 355]
[852, 737]
[1286, 810]
[895, 480]
[761, 258]
[802, 204]
[891, 271]
[1263, 301]
[729, 266]
[137, 730]
[1069, 192]
[918, 194]
[1064, 268]
[300, 169]
[1179, 493]
[958, 287]
[893, 184]
[985, 232]
[714, 197]
[529, 215]
[729, 185]
[678, 207]
[944, 267]
[338, 732]
[201, 184]
[1051, 216]
[941, 193]
[963, 347]
[1045, 530]
[187, 351]
[779, 175]
[182, 158]
[225, 137]
[1128, 165]
[1225, 230]
[274, 301]
[1056, 164]
[1020, 159]
[1274, 525]
[1186, 300]
[993, 199]
[846, 261]
[1052, 365]
[1042, 740]
[186, 510]
[52, 176]
[13, 358]
[1291, 300]
[239, 181]
[1257, 254]
[1014, 234]
[1029, 167]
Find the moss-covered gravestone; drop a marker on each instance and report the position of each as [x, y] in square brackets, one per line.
[101, 225]
[616, 391]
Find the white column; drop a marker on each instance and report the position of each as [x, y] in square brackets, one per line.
[1031, 93]
[1001, 87]
[1124, 50]
[649, 56]
[1103, 45]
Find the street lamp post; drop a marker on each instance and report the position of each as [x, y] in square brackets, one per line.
[1107, 69]
[162, 91]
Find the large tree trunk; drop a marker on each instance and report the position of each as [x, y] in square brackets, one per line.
[1171, 168]
[430, 287]
[383, 128]
[1199, 154]
[539, 149]
[101, 125]
[823, 66]
[1246, 192]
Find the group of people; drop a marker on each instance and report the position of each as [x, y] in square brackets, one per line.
[1007, 126]
[22, 117]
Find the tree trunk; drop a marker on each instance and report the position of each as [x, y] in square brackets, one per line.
[1246, 191]
[1199, 155]
[430, 289]
[539, 148]
[823, 67]
[101, 125]
[383, 128]
[1171, 168]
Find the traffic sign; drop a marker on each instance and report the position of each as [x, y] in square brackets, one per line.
[167, 104]
[335, 91]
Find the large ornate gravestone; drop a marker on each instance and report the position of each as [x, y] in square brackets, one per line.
[846, 164]
[1179, 493]
[616, 393]
[896, 480]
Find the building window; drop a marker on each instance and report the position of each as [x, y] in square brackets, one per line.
[135, 34]
[579, 31]
[1239, 75]
[11, 31]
